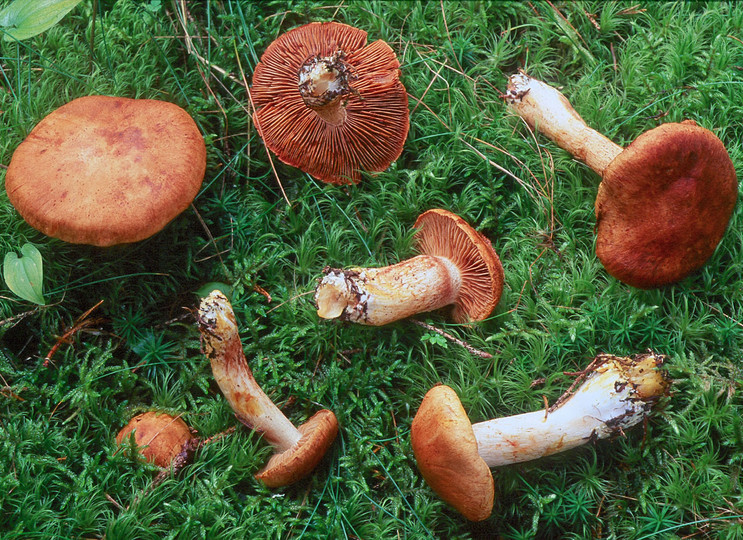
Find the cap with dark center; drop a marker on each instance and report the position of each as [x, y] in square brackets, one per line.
[329, 104]
[445, 450]
[664, 204]
[318, 433]
[106, 170]
[162, 436]
[444, 234]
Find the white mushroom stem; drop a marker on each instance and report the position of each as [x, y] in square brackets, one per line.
[221, 343]
[545, 109]
[614, 396]
[377, 296]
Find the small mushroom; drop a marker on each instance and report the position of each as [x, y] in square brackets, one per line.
[329, 104]
[457, 266]
[664, 201]
[107, 170]
[162, 437]
[455, 456]
[296, 450]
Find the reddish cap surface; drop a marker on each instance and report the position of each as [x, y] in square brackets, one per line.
[445, 450]
[664, 204]
[444, 234]
[106, 170]
[318, 433]
[162, 436]
[376, 121]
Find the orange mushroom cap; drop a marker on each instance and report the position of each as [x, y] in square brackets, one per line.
[664, 204]
[445, 450]
[106, 170]
[369, 121]
[318, 433]
[444, 234]
[163, 436]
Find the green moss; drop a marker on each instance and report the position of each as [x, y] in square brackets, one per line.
[624, 67]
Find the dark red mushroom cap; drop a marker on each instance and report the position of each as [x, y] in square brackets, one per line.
[664, 204]
[362, 127]
[444, 234]
[106, 170]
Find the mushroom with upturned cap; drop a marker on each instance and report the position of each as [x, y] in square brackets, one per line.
[457, 265]
[297, 450]
[107, 170]
[162, 437]
[329, 104]
[455, 456]
[664, 201]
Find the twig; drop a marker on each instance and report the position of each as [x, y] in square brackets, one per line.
[580, 376]
[470, 348]
[81, 323]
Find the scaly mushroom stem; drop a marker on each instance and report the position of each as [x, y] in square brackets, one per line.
[252, 406]
[377, 296]
[615, 395]
[545, 109]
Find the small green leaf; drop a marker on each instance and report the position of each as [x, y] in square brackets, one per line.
[23, 19]
[25, 274]
[207, 288]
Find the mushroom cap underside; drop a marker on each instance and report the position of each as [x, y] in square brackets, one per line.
[664, 205]
[107, 170]
[445, 450]
[444, 234]
[376, 111]
[163, 436]
[318, 433]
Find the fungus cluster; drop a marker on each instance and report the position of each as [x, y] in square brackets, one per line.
[108, 170]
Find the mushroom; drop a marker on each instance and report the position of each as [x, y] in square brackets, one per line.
[664, 202]
[296, 450]
[162, 436]
[455, 456]
[329, 104]
[457, 266]
[107, 170]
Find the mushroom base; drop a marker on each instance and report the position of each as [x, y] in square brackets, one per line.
[323, 81]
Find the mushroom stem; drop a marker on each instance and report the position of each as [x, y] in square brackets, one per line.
[546, 109]
[296, 450]
[377, 296]
[614, 396]
[252, 406]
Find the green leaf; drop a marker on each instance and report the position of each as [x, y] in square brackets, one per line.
[207, 288]
[25, 274]
[23, 19]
